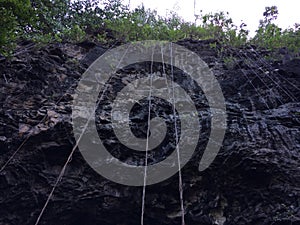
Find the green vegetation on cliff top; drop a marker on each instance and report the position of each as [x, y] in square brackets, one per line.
[46, 21]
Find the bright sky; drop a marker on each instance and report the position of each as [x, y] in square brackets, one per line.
[250, 11]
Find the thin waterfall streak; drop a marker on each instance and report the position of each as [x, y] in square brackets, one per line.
[62, 172]
[147, 144]
[176, 136]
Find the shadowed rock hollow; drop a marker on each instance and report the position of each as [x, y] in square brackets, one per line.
[254, 180]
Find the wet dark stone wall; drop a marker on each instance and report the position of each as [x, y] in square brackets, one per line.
[254, 180]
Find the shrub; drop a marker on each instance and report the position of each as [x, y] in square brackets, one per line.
[46, 21]
[272, 37]
[14, 14]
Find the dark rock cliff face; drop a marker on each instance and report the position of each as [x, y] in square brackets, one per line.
[254, 180]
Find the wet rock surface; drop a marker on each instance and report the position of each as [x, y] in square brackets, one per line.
[254, 180]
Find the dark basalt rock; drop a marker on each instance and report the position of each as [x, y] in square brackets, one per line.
[92, 55]
[254, 180]
[291, 69]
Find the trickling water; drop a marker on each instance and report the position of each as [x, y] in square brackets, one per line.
[147, 144]
[176, 135]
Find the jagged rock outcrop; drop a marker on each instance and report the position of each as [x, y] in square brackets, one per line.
[254, 180]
